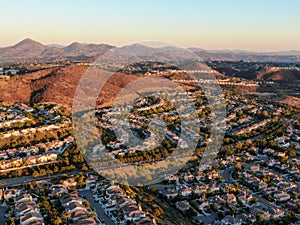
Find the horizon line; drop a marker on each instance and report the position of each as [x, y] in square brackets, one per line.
[236, 50]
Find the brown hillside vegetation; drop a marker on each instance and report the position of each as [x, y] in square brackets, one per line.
[58, 85]
[50, 85]
[291, 100]
[277, 74]
[26, 48]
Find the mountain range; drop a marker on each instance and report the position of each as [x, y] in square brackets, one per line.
[31, 49]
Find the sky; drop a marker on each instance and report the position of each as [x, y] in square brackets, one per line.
[256, 25]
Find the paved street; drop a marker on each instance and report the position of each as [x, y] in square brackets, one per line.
[207, 219]
[100, 211]
[2, 213]
[21, 180]
[226, 174]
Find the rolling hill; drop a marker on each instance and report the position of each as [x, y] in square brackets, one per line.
[58, 85]
[279, 75]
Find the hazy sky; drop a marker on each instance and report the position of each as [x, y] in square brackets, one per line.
[261, 25]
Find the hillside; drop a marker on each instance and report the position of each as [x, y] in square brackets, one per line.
[278, 74]
[25, 49]
[287, 57]
[58, 85]
[50, 85]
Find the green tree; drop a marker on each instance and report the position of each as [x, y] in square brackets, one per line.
[239, 145]
[238, 166]
[56, 220]
[10, 221]
[80, 181]
[261, 218]
[92, 214]
[43, 172]
[87, 204]
[265, 113]
[233, 210]
[35, 174]
[67, 216]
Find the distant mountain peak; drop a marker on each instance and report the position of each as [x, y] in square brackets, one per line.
[55, 46]
[75, 43]
[75, 46]
[28, 41]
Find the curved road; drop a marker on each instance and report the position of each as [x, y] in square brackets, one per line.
[25, 179]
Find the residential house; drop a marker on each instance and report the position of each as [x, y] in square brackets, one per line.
[231, 198]
[183, 206]
[86, 221]
[281, 196]
[230, 220]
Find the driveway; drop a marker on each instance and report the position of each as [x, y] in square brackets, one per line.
[226, 174]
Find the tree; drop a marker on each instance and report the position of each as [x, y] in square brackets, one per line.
[233, 210]
[270, 198]
[80, 181]
[87, 205]
[35, 174]
[26, 162]
[191, 213]
[43, 172]
[239, 145]
[158, 212]
[10, 221]
[84, 167]
[55, 169]
[154, 189]
[238, 166]
[227, 140]
[93, 214]
[62, 111]
[255, 199]
[67, 216]
[290, 217]
[56, 220]
[261, 218]
[265, 113]
[248, 142]
[65, 154]
[150, 198]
